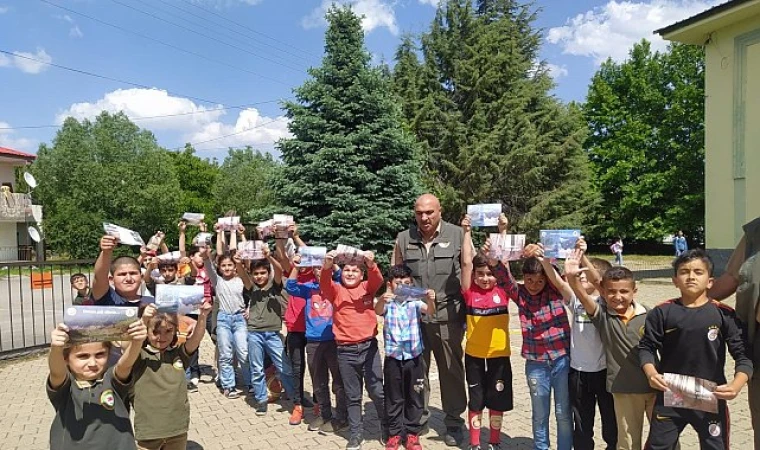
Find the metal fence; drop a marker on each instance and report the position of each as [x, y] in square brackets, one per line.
[33, 297]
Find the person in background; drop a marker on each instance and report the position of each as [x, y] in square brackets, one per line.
[81, 286]
[680, 244]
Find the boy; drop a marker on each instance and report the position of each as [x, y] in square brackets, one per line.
[321, 352]
[80, 284]
[620, 321]
[486, 360]
[124, 272]
[403, 369]
[588, 366]
[691, 334]
[267, 303]
[355, 328]
[546, 341]
[88, 397]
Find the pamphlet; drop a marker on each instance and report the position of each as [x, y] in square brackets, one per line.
[689, 392]
[349, 255]
[506, 247]
[179, 298]
[559, 243]
[265, 228]
[125, 235]
[99, 323]
[193, 218]
[312, 256]
[484, 215]
[170, 257]
[228, 223]
[281, 224]
[406, 293]
[202, 239]
[250, 250]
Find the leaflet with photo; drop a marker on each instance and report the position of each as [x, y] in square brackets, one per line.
[99, 323]
[559, 243]
[125, 235]
[689, 392]
[404, 293]
[484, 215]
[265, 228]
[228, 223]
[179, 298]
[202, 239]
[506, 247]
[250, 250]
[312, 256]
[170, 257]
[193, 218]
[281, 224]
[349, 255]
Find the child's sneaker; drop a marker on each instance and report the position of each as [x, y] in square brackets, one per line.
[231, 393]
[413, 442]
[394, 443]
[261, 409]
[316, 424]
[493, 447]
[192, 387]
[473, 447]
[333, 426]
[354, 443]
[297, 416]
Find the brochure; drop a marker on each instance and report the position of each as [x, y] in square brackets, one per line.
[171, 257]
[202, 239]
[484, 215]
[689, 392]
[312, 256]
[193, 218]
[179, 298]
[406, 293]
[251, 250]
[281, 224]
[99, 323]
[559, 243]
[349, 255]
[125, 235]
[265, 228]
[228, 223]
[506, 247]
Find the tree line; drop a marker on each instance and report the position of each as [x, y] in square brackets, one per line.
[466, 112]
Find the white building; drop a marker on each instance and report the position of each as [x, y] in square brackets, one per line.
[15, 208]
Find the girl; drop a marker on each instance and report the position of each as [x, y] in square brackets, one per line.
[162, 412]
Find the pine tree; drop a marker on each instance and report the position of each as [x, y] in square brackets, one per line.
[351, 172]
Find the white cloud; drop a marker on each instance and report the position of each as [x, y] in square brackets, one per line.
[20, 61]
[4, 9]
[75, 32]
[9, 140]
[377, 13]
[205, 123]
[556, 71]
[434, 3]
[612, 29]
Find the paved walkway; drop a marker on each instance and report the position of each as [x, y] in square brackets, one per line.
[218, 423]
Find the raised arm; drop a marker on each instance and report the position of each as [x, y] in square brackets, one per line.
[100, 283]
[276, 266]
[220, 240]
[59, 337]
[726, 284]
[242, 272]
[138, 332]
[382, 302]
[326, 284]
[280, 254]
[209, 267]
[374, 276]
[182, 225]
[293, 228]
[573, 272]
[552, 275]
[467, 254]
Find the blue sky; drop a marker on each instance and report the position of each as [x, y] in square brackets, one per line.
[215, 69]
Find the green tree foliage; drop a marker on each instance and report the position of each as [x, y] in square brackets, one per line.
[646, 142]
[106, 170]
[351, 172]
[244, 184]
[479, 104]
[197, 179]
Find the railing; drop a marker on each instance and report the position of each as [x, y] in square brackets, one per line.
[33, 297]
[16, 253]
[14, 206]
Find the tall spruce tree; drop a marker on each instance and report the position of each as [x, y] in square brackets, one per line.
[351, 173]
[489, 128]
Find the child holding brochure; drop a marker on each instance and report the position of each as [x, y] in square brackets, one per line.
[162, 410]
[690, 334]
[88, 396]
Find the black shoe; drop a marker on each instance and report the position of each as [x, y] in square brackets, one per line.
[384, 435]
[261, 409]
[453, 436]
[354, 443]
[425, 429]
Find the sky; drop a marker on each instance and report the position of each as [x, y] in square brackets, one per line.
[216, 71]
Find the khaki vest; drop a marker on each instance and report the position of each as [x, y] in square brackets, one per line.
[437, 269]
[748, 291]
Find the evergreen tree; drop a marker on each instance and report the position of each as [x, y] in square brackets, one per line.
[490, 130]
[351, 172]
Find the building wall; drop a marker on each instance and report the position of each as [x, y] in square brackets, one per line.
[7, 174]
[8, 241]
[732, 138]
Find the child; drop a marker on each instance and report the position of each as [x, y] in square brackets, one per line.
[80, 284]
[588, 367]
[617, 250]
[265, 309]
[321, 351]
[162, 410]
[546, 341]
[88, 397]
[355, 328]
[403, 369]
[691, 334]
[125, 275]
[486, 360]
[230, 280]
[620, 321]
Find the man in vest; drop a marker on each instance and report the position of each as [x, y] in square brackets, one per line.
[432, 250]
[742, 277]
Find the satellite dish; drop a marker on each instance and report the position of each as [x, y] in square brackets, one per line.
[29, 178]
[34, 234]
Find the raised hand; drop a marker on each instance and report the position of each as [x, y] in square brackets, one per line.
[466, 224]
[108, 243]
[503, 224]
[59, 336]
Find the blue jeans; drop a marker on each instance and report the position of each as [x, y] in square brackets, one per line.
[543, 377]
[231, 335]
[270, 343]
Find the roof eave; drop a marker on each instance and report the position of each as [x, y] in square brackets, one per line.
[696, 30]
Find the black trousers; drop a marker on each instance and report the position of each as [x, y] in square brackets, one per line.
[295, 348]
[667, 424]
[404, 382]
[322, 358]
[359, 365]
[444, 340]
[588, 389]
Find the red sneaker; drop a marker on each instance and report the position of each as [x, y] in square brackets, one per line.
[297, 416]
[394, 443]
[413, 442]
